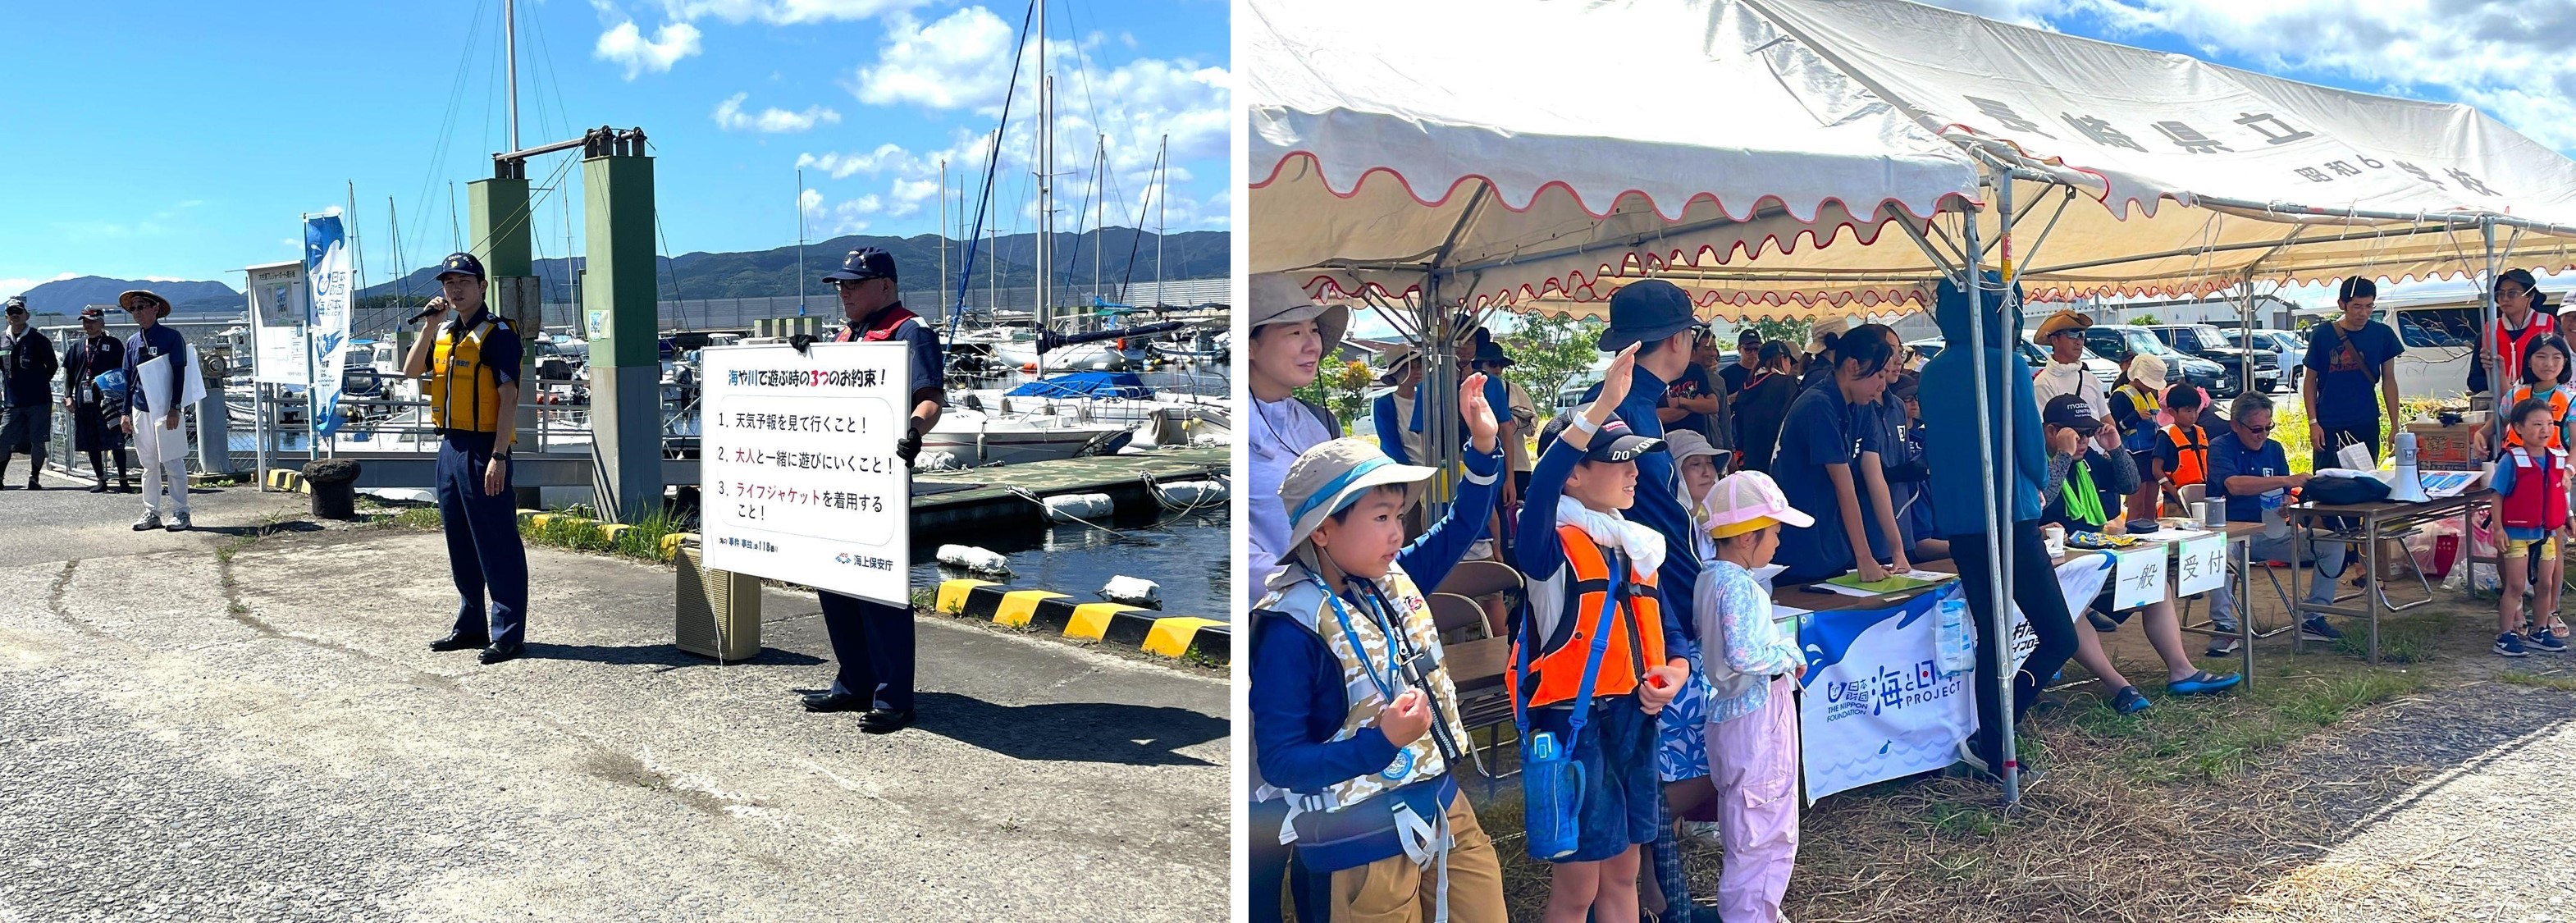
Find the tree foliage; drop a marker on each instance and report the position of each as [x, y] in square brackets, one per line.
[1547, 352]
[1342, 390]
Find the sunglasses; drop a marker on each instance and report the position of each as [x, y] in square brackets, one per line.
[2503, 292]
[2258, 430]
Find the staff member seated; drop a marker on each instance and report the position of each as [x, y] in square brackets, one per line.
[2085, 482]
[1817, 464]
[2251, 472]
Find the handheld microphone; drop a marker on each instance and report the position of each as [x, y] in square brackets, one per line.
[435, 305]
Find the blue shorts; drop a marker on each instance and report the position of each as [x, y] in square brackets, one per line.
[1622, 798]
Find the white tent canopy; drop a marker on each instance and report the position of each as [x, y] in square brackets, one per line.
[1392, 138]
[1389, 138]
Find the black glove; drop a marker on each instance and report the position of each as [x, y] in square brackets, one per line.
[803, 342]
[908, 446]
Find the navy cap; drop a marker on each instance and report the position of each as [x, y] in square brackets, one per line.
[2070, 411]
[460, 263]
[1614, 443]
[1645, 311]
[863, 264]
[1490, 351]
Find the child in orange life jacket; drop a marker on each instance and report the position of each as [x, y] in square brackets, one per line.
[1354, 720]
[1582, 560]
[1751, 719]
[2531, 486]
[2181, 458]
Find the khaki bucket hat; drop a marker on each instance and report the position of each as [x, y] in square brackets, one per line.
[1278, 299]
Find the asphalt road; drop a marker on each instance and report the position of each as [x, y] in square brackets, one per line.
[271, 739]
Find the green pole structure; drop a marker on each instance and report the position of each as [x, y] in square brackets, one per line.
[502, 240]
[619, 310]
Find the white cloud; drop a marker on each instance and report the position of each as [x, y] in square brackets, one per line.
[847, 217]
[963, 60]
[785, 12]
[15, 286]
[811, 201]
[625, 44]
[729, 116]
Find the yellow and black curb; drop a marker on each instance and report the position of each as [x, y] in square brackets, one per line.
[288, 480]
[1210, 640]
[608, 531]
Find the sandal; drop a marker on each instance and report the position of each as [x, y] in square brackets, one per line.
[2203, 683]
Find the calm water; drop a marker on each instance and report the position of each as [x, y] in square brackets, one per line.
[1188, 556]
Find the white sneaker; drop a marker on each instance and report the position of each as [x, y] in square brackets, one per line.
[1704, 831]
[149, 522]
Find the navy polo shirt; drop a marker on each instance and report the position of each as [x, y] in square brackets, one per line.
[1821, 429]
[2228, 457]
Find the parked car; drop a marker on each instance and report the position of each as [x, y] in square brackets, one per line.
[2117, 342]
[2206, 342]
[2289, 347]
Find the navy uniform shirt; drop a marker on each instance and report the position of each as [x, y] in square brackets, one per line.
[923, 345]
[145, 346]
[1822, 429]
[2228, 457]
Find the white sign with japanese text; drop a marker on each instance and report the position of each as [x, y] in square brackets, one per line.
[2140, 577]
[2200, 565]
[798, 473]
[278, 315]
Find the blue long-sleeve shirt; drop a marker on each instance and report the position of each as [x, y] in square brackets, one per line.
[1298, 701]
[1390, 431]
[1659, 495]
[149, 344]
[1950, 417]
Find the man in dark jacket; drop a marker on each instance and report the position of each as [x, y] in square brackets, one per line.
[27, 369]
[1972, 507]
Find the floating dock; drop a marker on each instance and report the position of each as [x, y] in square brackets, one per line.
[947, 501]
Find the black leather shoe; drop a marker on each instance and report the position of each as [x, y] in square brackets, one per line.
[836, 701]
[886, 720]
[500, 652]
[458, 641]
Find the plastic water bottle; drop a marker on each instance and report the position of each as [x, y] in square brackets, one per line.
[1958, 642]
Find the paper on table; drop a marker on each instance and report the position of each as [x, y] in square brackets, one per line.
[2442, 484]
[2173, 535]
[1927, 576]
[1897, 583]
[1841, 590]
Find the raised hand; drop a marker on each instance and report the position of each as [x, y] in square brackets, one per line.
[1615, 380]
[1478, 415]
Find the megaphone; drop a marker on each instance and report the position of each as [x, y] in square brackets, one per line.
[2406, 483]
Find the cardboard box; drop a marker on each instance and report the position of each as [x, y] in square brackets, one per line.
[2446, 448]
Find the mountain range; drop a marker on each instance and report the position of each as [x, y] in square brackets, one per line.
[762, 273]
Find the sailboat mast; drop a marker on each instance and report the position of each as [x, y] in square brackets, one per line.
[943, 238]
[510, 44]
[1046, 170]
[1099, 209]
[1162, 210]
[800, 241]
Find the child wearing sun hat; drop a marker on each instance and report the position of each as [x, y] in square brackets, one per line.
[1752, 719]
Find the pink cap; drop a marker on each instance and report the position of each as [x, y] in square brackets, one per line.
[1746, 500]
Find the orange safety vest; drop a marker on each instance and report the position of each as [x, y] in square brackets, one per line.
[1636, 631]
[2557, 416]
[2191, 463]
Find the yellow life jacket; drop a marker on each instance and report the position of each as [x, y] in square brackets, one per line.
[464, 394]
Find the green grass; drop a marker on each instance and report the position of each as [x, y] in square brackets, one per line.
[2538, 680]
[2400, 640]
[2212, 738]
[570, 530]
[1959, 818]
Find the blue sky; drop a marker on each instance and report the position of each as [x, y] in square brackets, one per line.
[182, 139]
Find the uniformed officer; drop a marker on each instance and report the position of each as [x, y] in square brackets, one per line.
[473, 368]
[872, 640]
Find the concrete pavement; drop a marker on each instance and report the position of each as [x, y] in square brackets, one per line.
[269, 737]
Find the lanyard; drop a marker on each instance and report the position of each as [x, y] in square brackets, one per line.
[1387, 682]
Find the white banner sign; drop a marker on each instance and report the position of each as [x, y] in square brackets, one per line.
[1876, 705]
[801, 482]
[2200, 565]
[278, 312]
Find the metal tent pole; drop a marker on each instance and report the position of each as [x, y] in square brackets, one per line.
[2487, 334]
[1998, 507]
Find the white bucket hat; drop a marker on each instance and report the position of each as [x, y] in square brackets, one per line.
[2148, 370]
[1747, 500]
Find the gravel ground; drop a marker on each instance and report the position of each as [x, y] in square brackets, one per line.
[270, 739]
[2445, 807]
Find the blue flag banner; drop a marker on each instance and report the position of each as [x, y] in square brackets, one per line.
[327, 275]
